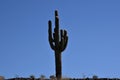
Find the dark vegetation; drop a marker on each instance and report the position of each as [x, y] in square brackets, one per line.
[58, 41]
[52, 77]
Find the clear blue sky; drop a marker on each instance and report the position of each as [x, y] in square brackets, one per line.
[94, 37]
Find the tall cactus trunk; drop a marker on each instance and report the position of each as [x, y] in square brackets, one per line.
[58, 41]
[58, 64]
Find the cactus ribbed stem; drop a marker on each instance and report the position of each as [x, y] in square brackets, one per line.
[58, 63]
[58, 41]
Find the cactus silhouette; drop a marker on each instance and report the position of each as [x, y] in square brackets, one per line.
[58, 41]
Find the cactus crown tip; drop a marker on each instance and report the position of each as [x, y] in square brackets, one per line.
[56, 13]
[56, 10]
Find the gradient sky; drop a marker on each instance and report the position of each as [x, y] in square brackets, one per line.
[94, 37]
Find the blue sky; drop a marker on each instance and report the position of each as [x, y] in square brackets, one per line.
[94, 37]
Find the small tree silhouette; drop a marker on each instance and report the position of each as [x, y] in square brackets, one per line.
[58, 42]
[32, 77]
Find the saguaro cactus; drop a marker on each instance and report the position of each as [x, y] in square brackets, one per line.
[58, 41]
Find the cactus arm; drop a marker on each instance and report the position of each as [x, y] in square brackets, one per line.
[65, 41]
[65, 44]
[50, 35]
[61, 43]
[50, 30]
